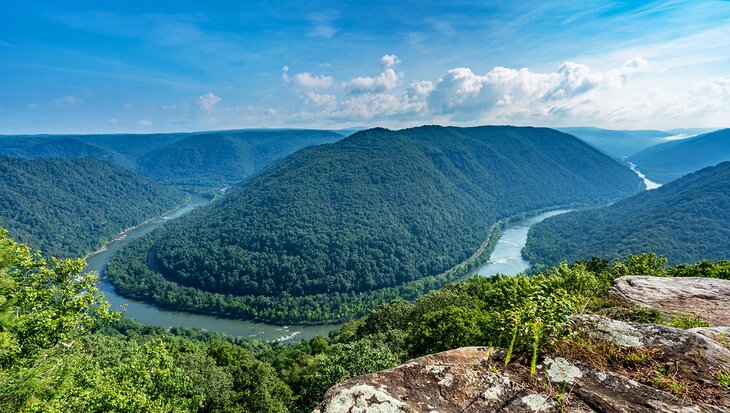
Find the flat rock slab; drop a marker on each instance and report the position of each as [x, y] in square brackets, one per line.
[467, 380]
[695, 356]
[706, 298]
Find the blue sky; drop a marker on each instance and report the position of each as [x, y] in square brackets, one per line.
[133, 66]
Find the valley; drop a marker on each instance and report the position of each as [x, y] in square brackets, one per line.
[506, 258]
[364, 207]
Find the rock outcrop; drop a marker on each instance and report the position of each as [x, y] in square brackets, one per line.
[474, 379]
[706, 298]
[603, 365]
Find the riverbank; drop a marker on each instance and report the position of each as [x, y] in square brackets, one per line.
[165, 317]
[124, 233]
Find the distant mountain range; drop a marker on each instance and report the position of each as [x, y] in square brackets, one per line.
[685, 220]
[344, 222]
[69, 207]
[188, 160]
[224, 158]
[671, 160]
[618, 143]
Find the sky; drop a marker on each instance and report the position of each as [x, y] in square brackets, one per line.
[159, 66]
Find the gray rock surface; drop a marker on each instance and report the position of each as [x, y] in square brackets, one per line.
[707, 298]
[473, 379]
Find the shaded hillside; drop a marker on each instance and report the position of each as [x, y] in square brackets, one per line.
[71, 148]
[671, 160]
[223, 158]
[377, 210]
[197, 161]
[71, 207]
[618, 143]
[685, 221]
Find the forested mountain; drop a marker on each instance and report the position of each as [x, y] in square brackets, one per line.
[224, 158]
[378, 210]
[72, 148]
[685, 221]
[70, 207]
[618, 143]
[671, 160]
[199, 160]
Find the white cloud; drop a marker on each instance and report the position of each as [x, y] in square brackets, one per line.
[573, 94]
[321, 100]
[386, 80]
[308, 80]
[207, 101]
[144, 122]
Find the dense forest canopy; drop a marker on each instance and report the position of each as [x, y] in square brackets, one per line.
[376, 210]
[71, 207]
[195, 161]
[671, 160]
[224, 158]
[618, 143]
[686, 220]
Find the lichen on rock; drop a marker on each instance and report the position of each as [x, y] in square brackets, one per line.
[561, 371]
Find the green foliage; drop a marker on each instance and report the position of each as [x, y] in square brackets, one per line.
[447, 328]
[685, 221]
[379, 215]
[310, 377]
[45, 307]
[723, 377]
[687, 321]
[704, 268]
[69, 208]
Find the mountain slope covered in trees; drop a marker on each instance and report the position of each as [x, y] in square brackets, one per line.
[70, 207]
[686, 220]
[198, 160]
[671, 160]
[618, 143]
[224, 158]
[378, 210]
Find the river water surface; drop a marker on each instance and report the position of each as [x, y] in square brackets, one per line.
[505, 259]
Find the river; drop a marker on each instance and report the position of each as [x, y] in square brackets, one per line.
[152, 315]
[648, 182]
[505, 259]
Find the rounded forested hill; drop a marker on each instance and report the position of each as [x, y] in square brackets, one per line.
[222, 158]
[69, 207]
[686, 221]
[379, 208]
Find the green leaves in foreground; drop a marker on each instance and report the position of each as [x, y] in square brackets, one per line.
[45, 307]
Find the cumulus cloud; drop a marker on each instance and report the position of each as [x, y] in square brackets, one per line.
[574, 93]
[386, 80]
[308, 80]
[207, 101]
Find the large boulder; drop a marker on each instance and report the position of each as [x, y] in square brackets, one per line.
[474, 379]
[706, 298]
